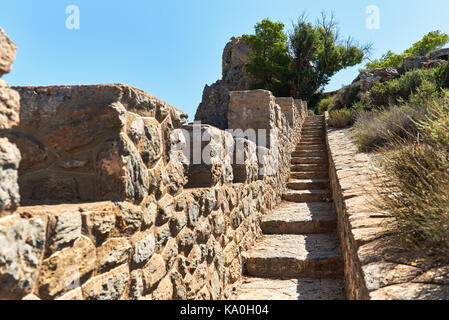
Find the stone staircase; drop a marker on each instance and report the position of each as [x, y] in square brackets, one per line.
[299, 257]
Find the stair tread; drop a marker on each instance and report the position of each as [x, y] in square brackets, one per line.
[321, 191]
[291, 289]
[298, 247]
[301, 212]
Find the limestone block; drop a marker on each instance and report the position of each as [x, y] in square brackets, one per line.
[90, 143]
[21, 244]
[7, 53]
[9, 106]
[210, 156]
[108, 286]
[245, 163]
[9, 164]
[64, 270]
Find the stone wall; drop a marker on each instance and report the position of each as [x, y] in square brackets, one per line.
[90, 143]
[9, 117]
[376, 266]
[158, 235]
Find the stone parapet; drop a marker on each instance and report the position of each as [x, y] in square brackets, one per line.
[376, 266]
[91, 143]
[9, 117]
[171, 228]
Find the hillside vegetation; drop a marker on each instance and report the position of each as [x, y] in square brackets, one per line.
[405, 122]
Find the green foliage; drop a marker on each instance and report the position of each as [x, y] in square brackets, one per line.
[441, 75]
[388, 59]
[397, 90]
[318, 54]
[269, 61]
[430, 42]
[340, 118]
[324, 104]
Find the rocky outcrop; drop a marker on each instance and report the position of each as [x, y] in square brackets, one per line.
[366, 79]
[214, 106]
[9, 117]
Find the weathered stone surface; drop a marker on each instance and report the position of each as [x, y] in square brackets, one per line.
[442, 54]
[21, 245]
[66, 230]
[295, 256]
[214, 106]
[143, 249]
[153, 271]
[9, 164]
[294, 289]
[411, 63]
[112, 253]
[7, 53]
[66, 268]
[75, 294]
[104, 135]
[9, 106]
[108, 286]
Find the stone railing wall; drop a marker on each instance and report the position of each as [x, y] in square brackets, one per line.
[146, 223]
[9, 117]
[376, 266]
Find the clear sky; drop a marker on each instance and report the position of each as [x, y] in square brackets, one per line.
[172, 48]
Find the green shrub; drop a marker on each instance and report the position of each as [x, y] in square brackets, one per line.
[310, 112]
[416, 175]
[340, 118]
[441, 75]
[324, 104]
[397, 90]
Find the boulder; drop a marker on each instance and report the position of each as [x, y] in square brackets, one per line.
[442, 54]
[412, 63]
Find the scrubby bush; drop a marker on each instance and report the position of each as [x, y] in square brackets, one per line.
[324, 104]
[416, 175]
[340, 118]
[397, 90]
[374, 128]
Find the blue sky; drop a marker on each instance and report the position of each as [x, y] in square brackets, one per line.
[171, 49]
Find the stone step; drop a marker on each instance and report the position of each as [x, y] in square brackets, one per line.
[310, 175]
[310, 153]
[311, 147]
[321, 195]
[300, 218]
[292, 256]
[309, 160]
[313, 134]
[313, 140]
[312, 143]
[308, 184]
[304, 167]
[260, 289]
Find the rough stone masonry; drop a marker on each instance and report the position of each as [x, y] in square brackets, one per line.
[111, 210]
[9, 117]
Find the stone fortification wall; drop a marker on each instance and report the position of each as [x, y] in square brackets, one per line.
[115, 208]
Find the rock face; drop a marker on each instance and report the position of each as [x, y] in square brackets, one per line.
[9, 117]
[214, 106]
[85, 143]
[366, 79]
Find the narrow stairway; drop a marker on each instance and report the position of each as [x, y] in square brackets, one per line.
[299, 257]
